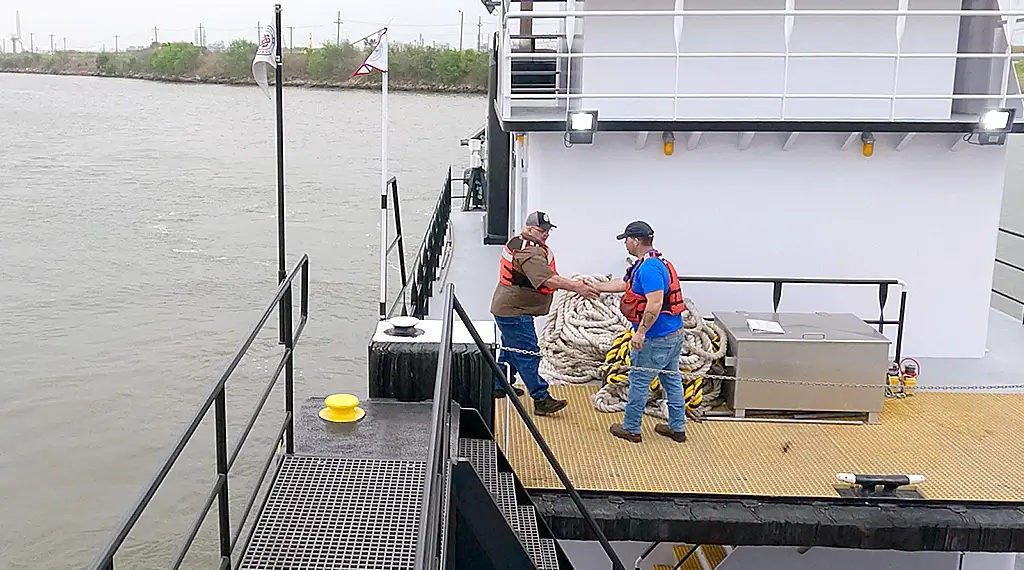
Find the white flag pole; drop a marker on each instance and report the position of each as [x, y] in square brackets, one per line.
[378, 61]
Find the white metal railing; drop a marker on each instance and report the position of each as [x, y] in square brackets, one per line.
[538, 14]
[568, 12]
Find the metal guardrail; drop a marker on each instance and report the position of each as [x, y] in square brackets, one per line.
[777, 283]
[793, 18]
[430, 553]
[399, 241]
[439, 461]
[1013, 266]
[217, 400]
[414, 298]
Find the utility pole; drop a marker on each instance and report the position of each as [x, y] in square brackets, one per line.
[65, 43]
[291, 38]
[462, 19]
[259, 33]
[31, 43]
[51, 43]
[115, 43]
[479, 33]
[202, 36]
[338, 21]
[156, 39]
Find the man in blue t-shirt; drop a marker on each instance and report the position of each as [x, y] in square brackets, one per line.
[653, 303]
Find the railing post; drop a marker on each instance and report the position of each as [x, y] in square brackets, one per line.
[398, 230]
[883, 296]
[289, 371]
[220, 413]
[899, 333]
[304, 299]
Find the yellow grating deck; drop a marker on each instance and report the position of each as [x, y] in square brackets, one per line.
[968, 447]
[712, 555]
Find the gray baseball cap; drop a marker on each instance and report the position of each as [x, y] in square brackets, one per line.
[540, 220]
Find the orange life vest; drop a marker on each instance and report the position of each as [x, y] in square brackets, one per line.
[510, 276]
[633, 304]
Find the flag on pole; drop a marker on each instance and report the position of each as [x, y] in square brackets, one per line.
[266, 58]
[378, 58]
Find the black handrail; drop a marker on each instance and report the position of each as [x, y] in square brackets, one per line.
[1013, 266]
[545, 449]
[217, 400]
[428, 548]
[777, 283]
[415, 296]
[399, 237]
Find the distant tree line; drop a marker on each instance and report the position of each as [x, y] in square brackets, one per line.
[410, 66]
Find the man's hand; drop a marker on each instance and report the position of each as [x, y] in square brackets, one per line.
[587, 291]
[637, 342]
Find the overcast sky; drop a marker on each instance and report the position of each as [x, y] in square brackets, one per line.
[92, 23]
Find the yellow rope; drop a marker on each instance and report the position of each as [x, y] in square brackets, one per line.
[616, 369]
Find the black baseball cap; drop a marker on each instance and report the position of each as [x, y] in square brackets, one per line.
[540, 220]
[637, 229]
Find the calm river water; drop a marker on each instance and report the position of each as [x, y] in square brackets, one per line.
[138, 232]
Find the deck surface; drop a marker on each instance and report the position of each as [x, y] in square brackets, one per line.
[966, 445]
[473, 268]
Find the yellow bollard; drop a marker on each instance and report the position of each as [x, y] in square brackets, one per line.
[342, 408]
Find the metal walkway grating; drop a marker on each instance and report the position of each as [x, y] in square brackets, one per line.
[331, 513]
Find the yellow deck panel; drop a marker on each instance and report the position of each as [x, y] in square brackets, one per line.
[968, 446]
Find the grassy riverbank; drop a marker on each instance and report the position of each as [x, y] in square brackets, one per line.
[412, 67]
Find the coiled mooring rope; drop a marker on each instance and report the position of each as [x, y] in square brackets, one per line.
[579, 332]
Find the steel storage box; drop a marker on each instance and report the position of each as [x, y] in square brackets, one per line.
[837, 348]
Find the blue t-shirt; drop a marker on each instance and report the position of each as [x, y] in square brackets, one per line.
[652, 275]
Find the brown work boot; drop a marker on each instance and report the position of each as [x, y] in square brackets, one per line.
[548, 406]
[619, 430]
[663, 429]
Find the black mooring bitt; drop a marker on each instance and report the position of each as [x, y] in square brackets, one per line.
[878, 486]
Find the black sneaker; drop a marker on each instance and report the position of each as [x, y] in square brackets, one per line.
[500, 392]
[548, 406]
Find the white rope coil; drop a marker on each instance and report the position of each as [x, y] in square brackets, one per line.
[579, 332]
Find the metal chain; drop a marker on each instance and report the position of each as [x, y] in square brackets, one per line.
[691, 375]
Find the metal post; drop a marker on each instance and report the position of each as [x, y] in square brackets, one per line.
[398, 231]
[497, 216]
[279, 88]
[899, 333]
[289, 370]
[220, 411]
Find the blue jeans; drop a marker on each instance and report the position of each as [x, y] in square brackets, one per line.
[661, 353]
[519, 332]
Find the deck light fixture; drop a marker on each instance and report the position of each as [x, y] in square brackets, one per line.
[867, 140]
[669, 139]
[580, 127]
[994, 125]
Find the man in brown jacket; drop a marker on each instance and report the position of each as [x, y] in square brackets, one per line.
[527, 282]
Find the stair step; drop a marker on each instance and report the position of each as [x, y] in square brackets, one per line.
[506, 499]
[482, 455]
[541, 551]
[483, 458]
